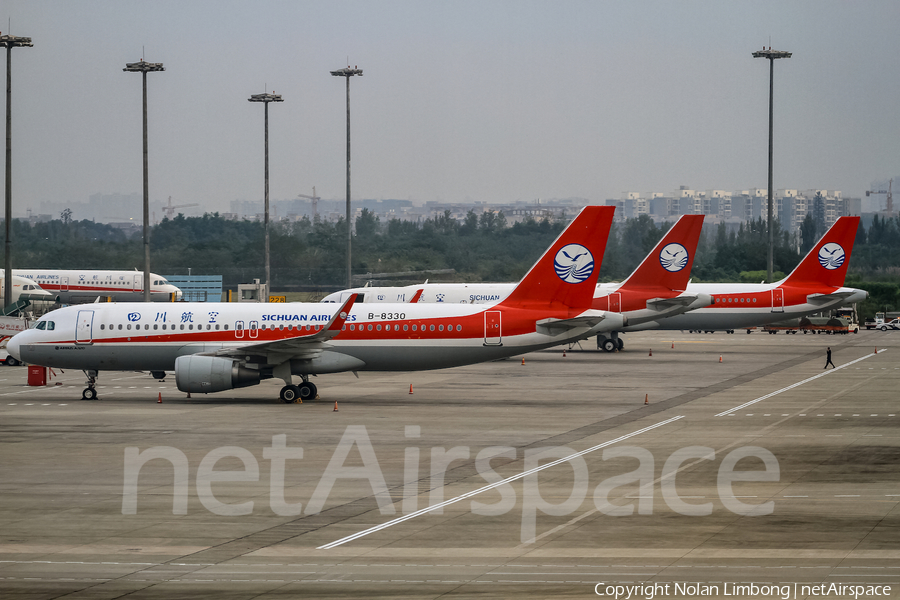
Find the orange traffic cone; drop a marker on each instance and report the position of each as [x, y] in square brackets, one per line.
[673, 344]
[646, 399]
[523, 361]
[651, 352]
[410, 389]
[876, 350]
[564, 352]
[720, 358]
[335, 407]
[160, 399]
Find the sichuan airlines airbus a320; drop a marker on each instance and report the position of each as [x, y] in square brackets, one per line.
[74, 287]
[816, 284]
[216, 347]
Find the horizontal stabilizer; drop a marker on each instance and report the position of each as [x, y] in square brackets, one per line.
[589, 319]
[665, 304]
[829, 298]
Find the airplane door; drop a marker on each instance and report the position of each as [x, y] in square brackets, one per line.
[615, 302]
[64, 284]
[778, 300]
[239, 329]
[84, 327]
[138, 283]
[254, 329]
[492, 329]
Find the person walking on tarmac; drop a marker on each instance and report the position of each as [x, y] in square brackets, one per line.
[828, 358]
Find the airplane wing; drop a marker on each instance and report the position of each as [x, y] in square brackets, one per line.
[828, 298]
[664, 304]
[301, 346]
[588, 319]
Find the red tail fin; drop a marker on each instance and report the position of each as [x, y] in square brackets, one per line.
[567, 273]
[826, 263]
[669, 264]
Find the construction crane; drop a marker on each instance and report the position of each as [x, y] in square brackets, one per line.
[315, 202]
[170, 210]
[889, 207]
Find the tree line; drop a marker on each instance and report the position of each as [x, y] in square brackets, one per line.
[483, 247]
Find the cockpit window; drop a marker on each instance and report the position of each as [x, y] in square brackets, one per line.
[51, 325]
[41, 325]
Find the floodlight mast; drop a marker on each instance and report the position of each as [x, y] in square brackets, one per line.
[348, 73]
[9, 42]
[772, 55]
[265, 99]
[143, 68]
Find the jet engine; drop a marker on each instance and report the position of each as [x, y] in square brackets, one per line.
[206, 374]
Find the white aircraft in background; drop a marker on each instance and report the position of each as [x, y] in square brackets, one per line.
[220, 346]
[656, 290]
[24, 289]
[82, 286]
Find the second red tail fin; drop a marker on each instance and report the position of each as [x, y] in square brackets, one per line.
[669, 264]
[567, 272]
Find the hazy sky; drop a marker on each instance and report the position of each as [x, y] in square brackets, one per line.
[460, 101]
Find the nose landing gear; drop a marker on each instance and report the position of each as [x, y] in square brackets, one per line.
[90, 393]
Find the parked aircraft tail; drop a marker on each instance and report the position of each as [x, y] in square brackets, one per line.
[827, 262]
[566, 274]
[669, 264]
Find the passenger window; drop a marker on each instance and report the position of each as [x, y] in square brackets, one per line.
[120, 327]
[378, 327]
[102, 326]
[431, 328]
[459, 327]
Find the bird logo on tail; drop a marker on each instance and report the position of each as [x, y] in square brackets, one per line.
[831, 256]
[573, 263]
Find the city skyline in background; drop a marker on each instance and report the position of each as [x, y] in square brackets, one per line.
[499, 103]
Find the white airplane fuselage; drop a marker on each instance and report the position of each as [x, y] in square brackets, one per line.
[82, 286]
[399, 337]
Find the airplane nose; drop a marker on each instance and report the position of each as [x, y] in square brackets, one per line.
[12, 346]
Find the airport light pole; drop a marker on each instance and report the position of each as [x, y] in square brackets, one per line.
[265, 99]
[143, 68]
[348, 73]
[9, 42]
[772, 55]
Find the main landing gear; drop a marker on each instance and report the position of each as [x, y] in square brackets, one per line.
[90, 393]
[610, 344]
[305, 391]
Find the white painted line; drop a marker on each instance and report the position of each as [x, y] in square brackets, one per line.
[799, 383]
[467, 495]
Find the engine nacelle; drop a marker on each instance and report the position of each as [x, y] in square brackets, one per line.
[206, 374]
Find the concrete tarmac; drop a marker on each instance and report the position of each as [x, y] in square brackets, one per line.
[749, 465]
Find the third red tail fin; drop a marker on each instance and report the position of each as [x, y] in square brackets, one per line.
[827, 262]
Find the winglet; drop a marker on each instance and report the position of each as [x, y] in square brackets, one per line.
[669, 264]
[418, 295]
[827, 262]
[567, 272]
[334, 325]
